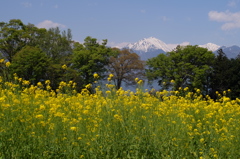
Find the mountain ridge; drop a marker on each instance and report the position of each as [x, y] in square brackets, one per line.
[151, 47]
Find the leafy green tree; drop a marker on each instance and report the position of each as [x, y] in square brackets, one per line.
[125, 67]
[90, 58]
[160, 68]
[56, 45]
[15, 35]
[188, 66]
[11, 40]
[30, 63]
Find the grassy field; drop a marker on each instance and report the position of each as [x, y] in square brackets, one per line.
[36, 122]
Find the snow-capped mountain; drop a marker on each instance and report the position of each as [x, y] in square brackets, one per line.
[210, 46]
[151, 47]
[149, 44]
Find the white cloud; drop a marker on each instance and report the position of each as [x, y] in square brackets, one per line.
[173, 46]
[231, 20]
[49, 24]
[27, 4]
[185, 43]
[117, 45]
[233, 3]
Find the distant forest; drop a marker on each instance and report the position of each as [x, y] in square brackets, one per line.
[39, 55]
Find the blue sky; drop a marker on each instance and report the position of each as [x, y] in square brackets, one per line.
[121, 21]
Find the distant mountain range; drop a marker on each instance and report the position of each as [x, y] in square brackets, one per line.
[151, 47]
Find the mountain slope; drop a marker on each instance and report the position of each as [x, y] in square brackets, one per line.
[232, 51]
[210, 46]
[149, 44]
[151, 47]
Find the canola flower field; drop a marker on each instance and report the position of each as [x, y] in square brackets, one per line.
[36, 122]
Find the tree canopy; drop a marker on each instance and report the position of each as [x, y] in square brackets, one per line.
[89, 58]
[30, 63]
[38, 54]
[125, 67]
[187, 66]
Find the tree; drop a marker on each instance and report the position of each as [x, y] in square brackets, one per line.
[219, 78]
[90, 58]
[11, 38]
[160, 69]
[188, 66]
[57, 46]
[234, 81]
[30, 63]
[125, 67]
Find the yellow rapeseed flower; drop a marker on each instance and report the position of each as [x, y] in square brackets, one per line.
[95, 75]
[88, 86]
[25, 82]
[8, 64]
[64, 67]
[111, 75]
[39, 116]
[136, 79]
[140, 82]
[47, 82]
[73, 128]
[39, 84]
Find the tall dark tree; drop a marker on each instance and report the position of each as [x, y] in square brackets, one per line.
[221, 73]
[234, 78]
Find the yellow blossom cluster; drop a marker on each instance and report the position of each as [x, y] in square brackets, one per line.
[4, 62]
[37, 121]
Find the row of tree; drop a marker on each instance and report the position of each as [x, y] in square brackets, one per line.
[196, 68]
[37, 54]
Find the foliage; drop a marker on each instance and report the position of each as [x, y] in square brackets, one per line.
[187, 66]
[125, 67]
[90, 58]
[4, 70]
[56, 46]
[233, 78]
[37, 54]
[30, 63]
[11, 40]
[220, 75]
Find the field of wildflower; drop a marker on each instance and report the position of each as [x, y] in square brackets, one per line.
[37, 122]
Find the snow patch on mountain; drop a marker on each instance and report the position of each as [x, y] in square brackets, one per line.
[148, 44]
[210, 46]
[152, 43]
